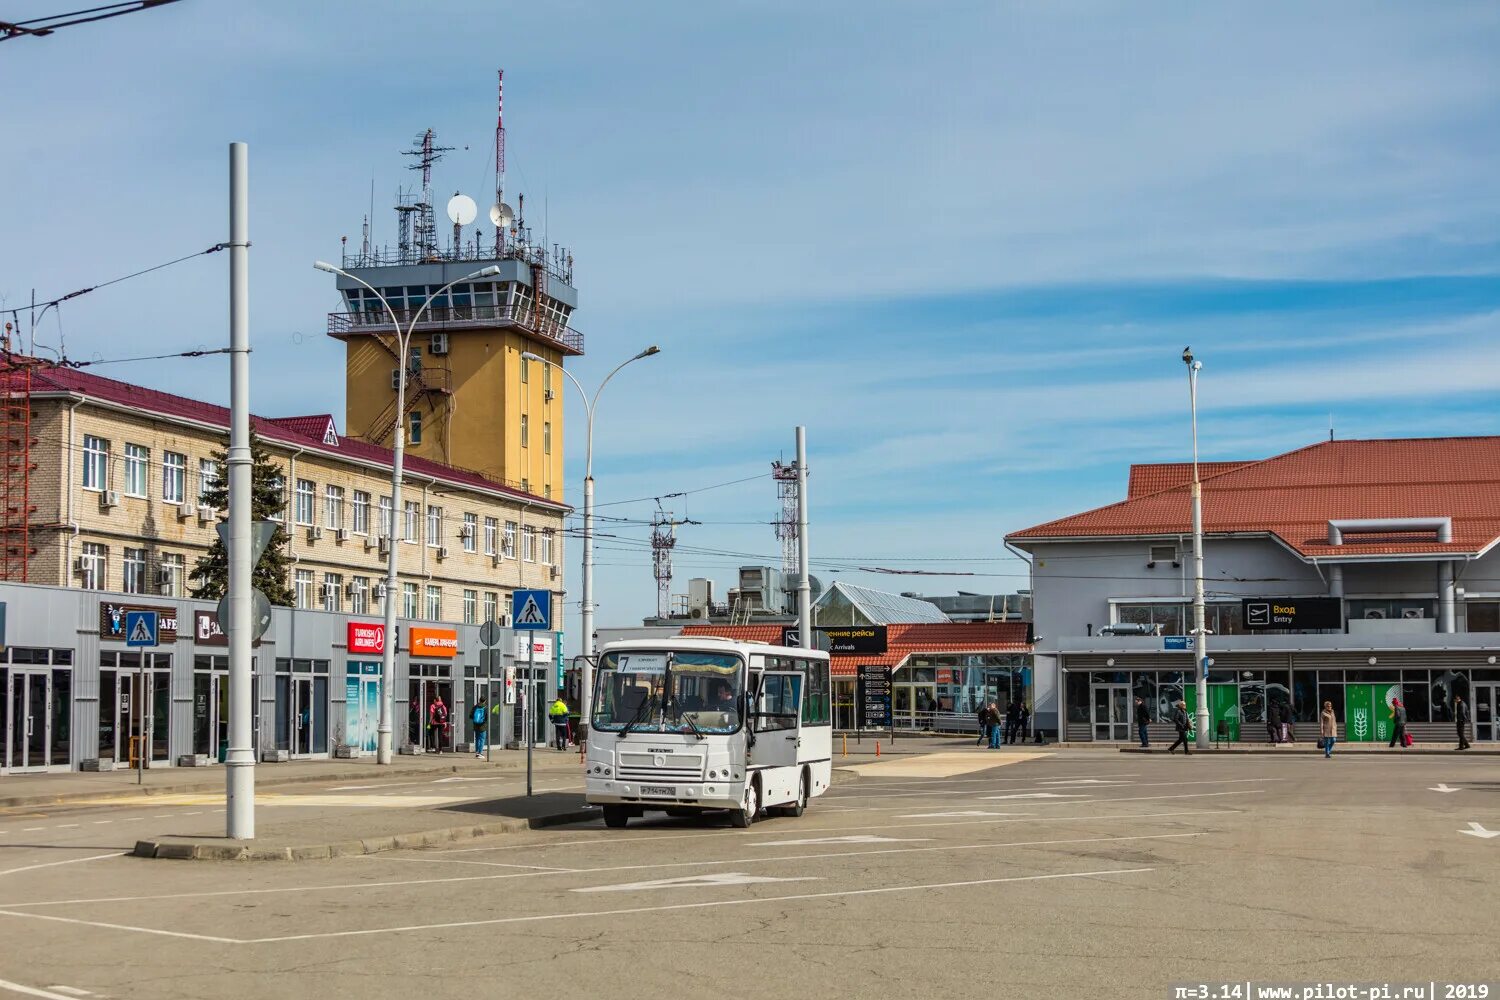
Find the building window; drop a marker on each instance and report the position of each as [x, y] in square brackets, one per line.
[408, 600]
[413, 519]
[279, 485]
[333, 592]
[525, 431]
[491, 536]
[172, 566]
[303, 501]
[547, 491]
[546, 556]
[434, 526]
[134, 581]
[546, 437]
[415, 437]
[92, 566]
[304, 588]
[361, 512]
[528, 544]
[208, 476]
[359, 595]
[434, 607]
[525, 485]
[491, 606]
[471, 607]
[525, 371]
[547, 378]
[137, 457]
[333, 507]
[1484, 616]
[173, 477]
[95, 463]
[510, 539]
[384, 527]
[470, 533]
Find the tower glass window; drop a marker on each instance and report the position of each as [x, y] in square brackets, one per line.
[415, 436]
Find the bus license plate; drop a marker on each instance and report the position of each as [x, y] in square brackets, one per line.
[658, 790]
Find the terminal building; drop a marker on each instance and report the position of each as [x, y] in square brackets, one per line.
[1351, 572]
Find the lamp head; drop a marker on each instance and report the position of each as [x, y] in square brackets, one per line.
[323, 265]
[488, 272]
[527, 355]
[1187, 356]
[653, 349]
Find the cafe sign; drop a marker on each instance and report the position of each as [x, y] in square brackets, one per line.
[440, 642]
[112, 621]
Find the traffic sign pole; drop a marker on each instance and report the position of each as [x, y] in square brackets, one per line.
[529, 710]
[530, 612]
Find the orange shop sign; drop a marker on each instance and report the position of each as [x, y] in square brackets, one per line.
[433, 642]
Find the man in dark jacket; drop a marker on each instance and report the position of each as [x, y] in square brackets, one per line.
[1180, 721]
[1273, 720]
[1289, 721]
[1398, 723]
[982, 716]
[1012, 720]
[1142, 720]
[1461, 719]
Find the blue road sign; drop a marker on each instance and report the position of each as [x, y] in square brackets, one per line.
[531, 610]
[1176, 642]
[141, 628]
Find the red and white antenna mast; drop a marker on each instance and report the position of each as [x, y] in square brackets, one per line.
[500, 160]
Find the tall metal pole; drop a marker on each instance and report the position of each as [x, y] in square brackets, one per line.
[1200, 633]
[239, 770]
[528, 709]
[804, 588]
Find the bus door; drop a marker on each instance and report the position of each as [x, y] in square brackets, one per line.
[778, 720]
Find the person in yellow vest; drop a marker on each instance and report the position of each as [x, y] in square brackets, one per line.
[558, 713]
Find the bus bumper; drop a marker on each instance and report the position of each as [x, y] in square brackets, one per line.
[644, 795]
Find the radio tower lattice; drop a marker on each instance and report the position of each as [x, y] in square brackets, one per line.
[427, 153]
[663, 541]
[785, 474]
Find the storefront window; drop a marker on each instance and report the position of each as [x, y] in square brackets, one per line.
[1252, 701]
[1441, 695]
[1415, 693]
[1077, 696]
[1168, 693]
[1145, 689]
[1305, 696]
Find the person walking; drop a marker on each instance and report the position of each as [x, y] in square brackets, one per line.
[1398, 723]
[1012, 720]
[1328, 729]
[982, 716]
[996, 733]
[478, 719]
[1273, 721]
[437, 722]
[1180, 722]
[558, 714]
[1461, 720]
[1289, 722]
[1142, 721]
[1025, 720]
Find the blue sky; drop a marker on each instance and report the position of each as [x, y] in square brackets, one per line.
[964, 243]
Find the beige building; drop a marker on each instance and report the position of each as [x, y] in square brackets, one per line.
[102, 482]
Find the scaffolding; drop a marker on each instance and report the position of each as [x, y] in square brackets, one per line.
[16, 464]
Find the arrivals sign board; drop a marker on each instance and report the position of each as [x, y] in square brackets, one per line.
[872, 697]
[1292, 612]
[852, 639]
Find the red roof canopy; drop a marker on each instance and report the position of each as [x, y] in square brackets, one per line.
[901, 640]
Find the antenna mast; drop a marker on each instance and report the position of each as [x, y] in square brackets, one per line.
[427, 152]
[785, 475]
[663, 540]
[500, 159]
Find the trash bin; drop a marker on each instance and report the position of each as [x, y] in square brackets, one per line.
[223, 751]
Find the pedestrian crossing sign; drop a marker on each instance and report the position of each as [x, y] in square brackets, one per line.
[141, 628]
[531, 609]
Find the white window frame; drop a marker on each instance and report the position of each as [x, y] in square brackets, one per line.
[333, 592]
[545, 557]
[434, 526]
[528, 544]
[175, 564]
[133, 564]
[333, 507]
[546, 437]
[491, 606]
[384, 521]
[361, 513]
[432, 603]
[525, 431]
[95, 465]
[491, 536]
[95, 563]
[412, 516]
[471, 607]
[136, 466]
[509, 547]
[471, 537]
[305, 492]
[173, 477]
[208, 476]
[303, 582]
[359, 597]
[409, 600]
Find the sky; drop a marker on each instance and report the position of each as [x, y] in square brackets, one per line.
[964, 243]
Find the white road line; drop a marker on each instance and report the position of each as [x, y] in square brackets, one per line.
[32, 829]
[119, 927]
[869, 782]
[103, 822]
[166, 815]
[32, 991]
[535, 918]
[487, 864]
[72, 991]
[54, 864]
[66, 826]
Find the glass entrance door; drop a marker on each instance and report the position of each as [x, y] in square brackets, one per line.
[302, 713]
[1486, 712]
[1111, 712]
[28, 721]
[211, 714]
[425, 730]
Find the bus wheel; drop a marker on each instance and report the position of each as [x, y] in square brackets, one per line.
[800, 806]
[749, 808]
[615, 817]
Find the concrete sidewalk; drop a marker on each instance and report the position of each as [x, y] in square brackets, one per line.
[78, 787]
[1311, 747]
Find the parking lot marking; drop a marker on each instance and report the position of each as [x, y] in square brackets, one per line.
[54, 864]
[486, 864]
[696, 882]
[539, 917]
[32, 991]
[863, 838]
[121, 927]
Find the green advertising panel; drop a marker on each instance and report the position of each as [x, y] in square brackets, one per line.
[1367, 712]
[1223, 705]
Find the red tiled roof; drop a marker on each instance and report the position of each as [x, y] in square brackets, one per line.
[1293, 496]
[901, 640]
[1157, 476]
[297, 432]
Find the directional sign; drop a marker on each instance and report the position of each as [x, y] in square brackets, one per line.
[260, 614]
[140, 628]
[1475, 830]
[261, 533]
[491, 632]
[791, 635]
[531, 610]
[693, 882]
[1444, 787]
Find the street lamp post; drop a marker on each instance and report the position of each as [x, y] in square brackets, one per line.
[1200, 632]
[403, 342]
[586, 676]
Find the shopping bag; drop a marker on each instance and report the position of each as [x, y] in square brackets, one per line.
[1409, 740]
[1322, 742]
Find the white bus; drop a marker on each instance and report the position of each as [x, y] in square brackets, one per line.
[699, 724]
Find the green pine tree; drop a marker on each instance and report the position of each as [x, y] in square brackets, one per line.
[211, 574]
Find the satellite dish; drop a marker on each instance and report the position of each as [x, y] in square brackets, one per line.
[501, 215]
[461, 209]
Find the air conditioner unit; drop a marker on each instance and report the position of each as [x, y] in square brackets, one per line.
[342, 534]
[78, 569]
[1410, 613]
[437, 344]
[108, 499]
[385, 545]
[314, 533]
[205, 513]
[466, 530]
[504, 619]
[369, 542]
[494, 559]
[547, 395]
[184, 511]
[442, 552]
[163, 576]
[349, 591]
[330, 590]
[555, 573]
[1374, 613]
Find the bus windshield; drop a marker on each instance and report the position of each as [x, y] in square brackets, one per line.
[669, 691]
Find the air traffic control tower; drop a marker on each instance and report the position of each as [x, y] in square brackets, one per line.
[472, 401]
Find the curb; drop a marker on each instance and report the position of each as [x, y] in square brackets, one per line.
[1313, 751]
[261, 781]
[348, 848]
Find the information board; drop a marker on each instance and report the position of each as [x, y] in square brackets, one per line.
[873, 697]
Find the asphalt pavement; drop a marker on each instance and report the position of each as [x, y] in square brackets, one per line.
[1050, 873]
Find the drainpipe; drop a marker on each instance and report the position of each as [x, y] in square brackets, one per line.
[291, 519]
[1445, 597]
[1335, 580]
[72, 523]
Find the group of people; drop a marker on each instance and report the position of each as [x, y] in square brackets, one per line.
[1281, 722]
[439, 724]
[996, 727]
[1180, 720]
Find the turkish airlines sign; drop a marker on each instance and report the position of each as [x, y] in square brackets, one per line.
[366, 637]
